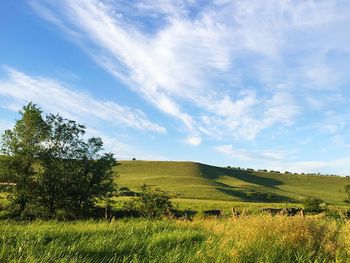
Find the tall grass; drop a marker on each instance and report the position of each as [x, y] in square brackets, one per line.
[126, 241]
[266, 238]
[247, 239]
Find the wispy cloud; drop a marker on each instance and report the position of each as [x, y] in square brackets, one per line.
[19, 88]
[227, 71]
[244, 154]
[339, 166]
[193, 140]
[123, 151]
[223, 68]
[281, 161]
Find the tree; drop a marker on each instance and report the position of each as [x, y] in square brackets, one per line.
[22, 146]
[75, 173]
[151, 202]
[347, 191]
[313, 204]
[56, 169]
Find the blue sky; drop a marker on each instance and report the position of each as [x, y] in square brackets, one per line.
[260, 84]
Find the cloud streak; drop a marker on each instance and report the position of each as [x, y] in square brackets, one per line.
[202, 58]
[19, 88]
[280, 161]
[229, 72]
[243, 154]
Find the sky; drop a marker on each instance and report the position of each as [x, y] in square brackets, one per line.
[257, 84]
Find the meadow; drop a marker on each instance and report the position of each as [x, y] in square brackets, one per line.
[251, 237]
[262, 238]
[196, 181]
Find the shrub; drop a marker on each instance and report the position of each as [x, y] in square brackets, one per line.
[151, 202]
[313, 204]
[347, 191]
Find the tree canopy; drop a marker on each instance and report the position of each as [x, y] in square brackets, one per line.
[55, 169]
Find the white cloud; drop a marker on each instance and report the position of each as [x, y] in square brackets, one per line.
[280, 108]
[123, 151]
[194, 140]
[225, 69]
[339, 166]
[19, 88]
[278, 161]
[243, 154]
[183, 62]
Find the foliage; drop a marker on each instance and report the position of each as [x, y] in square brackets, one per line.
[347, 191]
[22, 146]
[55, 170]
[313, 204]
[151, 202]
[75, 174]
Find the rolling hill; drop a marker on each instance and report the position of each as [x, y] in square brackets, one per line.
[190, 180]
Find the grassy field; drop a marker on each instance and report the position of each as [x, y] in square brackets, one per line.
[189, 180]
[252, 237]
[247, 239]
[199, 187]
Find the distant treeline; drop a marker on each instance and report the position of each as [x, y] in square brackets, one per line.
[279, 172]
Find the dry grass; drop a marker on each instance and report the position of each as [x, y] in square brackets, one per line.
[246, 239]
[268, 238]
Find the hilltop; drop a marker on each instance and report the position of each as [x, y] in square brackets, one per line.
[191, 180]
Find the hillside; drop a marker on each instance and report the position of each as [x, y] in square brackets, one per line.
[200, 181]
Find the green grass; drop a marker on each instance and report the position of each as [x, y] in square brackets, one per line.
[189, 180]
[245, 239]
[126, 241]
[3, 199]
[194, 186]
[225, 206]
[201, 205]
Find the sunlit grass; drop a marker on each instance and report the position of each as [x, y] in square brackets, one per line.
[191, 180]
[245, 239]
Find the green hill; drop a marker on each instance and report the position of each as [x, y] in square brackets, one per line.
[190, 180]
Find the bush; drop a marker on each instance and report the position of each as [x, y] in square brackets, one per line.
[150, 203]
[347, 191]
[313, 204]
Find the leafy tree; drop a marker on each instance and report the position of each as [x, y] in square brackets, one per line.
[22, 146]
[313, 204]
[75, 173]
[55, 169]
[151, 202]
[347, 191]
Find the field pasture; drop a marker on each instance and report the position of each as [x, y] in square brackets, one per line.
[190, 180]
[252, 236]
